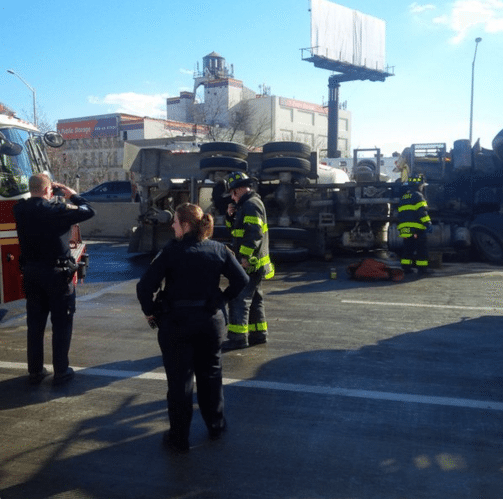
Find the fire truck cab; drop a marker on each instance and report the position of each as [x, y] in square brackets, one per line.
[22, 154]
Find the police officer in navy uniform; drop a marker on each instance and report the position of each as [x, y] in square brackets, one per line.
[44, 228]
[191, 319]
[414, 223]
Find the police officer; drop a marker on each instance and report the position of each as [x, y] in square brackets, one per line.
[247, 220]
[191, 319]
[413, 225]
[44, 227]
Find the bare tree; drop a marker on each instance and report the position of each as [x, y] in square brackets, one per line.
[239, 123]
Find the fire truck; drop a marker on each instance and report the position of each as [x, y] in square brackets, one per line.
[23, 152]
[316, 210]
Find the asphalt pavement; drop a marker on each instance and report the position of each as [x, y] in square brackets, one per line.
[365, 390]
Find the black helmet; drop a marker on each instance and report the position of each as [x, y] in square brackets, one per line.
[238, 179]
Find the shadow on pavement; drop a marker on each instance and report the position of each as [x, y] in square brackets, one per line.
[285, 443]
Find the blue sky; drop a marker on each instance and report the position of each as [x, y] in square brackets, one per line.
[97, 57]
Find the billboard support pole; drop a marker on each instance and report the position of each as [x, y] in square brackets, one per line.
[333, 118]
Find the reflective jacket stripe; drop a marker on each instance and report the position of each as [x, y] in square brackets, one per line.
[411, 225]
[412, 207]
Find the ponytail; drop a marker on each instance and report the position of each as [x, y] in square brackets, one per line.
[200, 223]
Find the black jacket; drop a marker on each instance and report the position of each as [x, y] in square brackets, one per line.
[413, 215]
[250, 234]
[192, 271]
[44, 227]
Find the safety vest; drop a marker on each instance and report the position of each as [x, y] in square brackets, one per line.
[412, 214]
[250, 234]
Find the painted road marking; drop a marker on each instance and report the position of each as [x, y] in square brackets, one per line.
[290, 387]
[423, 305]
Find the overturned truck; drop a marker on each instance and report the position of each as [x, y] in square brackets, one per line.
[316, 210]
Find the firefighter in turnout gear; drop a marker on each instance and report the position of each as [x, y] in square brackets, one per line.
[413, 225]
[246, 219]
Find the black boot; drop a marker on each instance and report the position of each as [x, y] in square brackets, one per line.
[235, 341]
[257, 338]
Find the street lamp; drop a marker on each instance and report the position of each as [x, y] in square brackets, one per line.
[34, 95]
[477, 41]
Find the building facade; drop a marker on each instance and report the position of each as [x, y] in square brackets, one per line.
[228, 107]
[94, 145]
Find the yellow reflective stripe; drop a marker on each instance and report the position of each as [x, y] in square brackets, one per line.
[245, 250]
[412, 207]
[238, 233]
[256, 221]
[405, 261]
[260, 327]
[237, 328]
[422, 263]
[426, 219]
[270, 275]
[252, 220]
[414, 225]
[228, 224]
[263, 261]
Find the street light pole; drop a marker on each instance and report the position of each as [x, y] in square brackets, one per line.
[34, 95]
[477, 41]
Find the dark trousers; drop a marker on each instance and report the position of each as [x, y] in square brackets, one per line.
[190, 342]
[48, 292]
[247, 310]
[415, 251]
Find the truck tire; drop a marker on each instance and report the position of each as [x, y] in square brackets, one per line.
[223, 163]
[232, 149]
[289, 255]
[489, 245]
[286, 164]
[292, 149]
[288, 233]
[283, 244]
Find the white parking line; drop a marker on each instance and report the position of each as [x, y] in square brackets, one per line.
[424, 305]
[290, 387]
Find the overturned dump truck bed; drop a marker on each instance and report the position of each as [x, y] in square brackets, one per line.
[317, 210]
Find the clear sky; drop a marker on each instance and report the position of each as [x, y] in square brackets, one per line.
[98, 57]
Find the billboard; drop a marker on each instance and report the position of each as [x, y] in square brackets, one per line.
[106, 126]
[348, 36]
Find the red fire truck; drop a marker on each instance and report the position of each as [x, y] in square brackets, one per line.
[22, 153]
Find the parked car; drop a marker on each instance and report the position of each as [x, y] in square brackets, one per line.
[119, 190]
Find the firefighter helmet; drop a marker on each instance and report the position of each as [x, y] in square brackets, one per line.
[238, 179]
[416, 181]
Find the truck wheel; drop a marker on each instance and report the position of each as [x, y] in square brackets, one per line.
[292, 149]
[223, 163]
[286, 164]
[232, 149]
[488, 244]
[289, 254]
[288, 233]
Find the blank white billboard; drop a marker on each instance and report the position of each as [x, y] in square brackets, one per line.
[345, 35]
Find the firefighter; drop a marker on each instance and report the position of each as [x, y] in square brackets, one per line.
[191, 319]
[44, 227]
[247, 220]
[413, 225]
